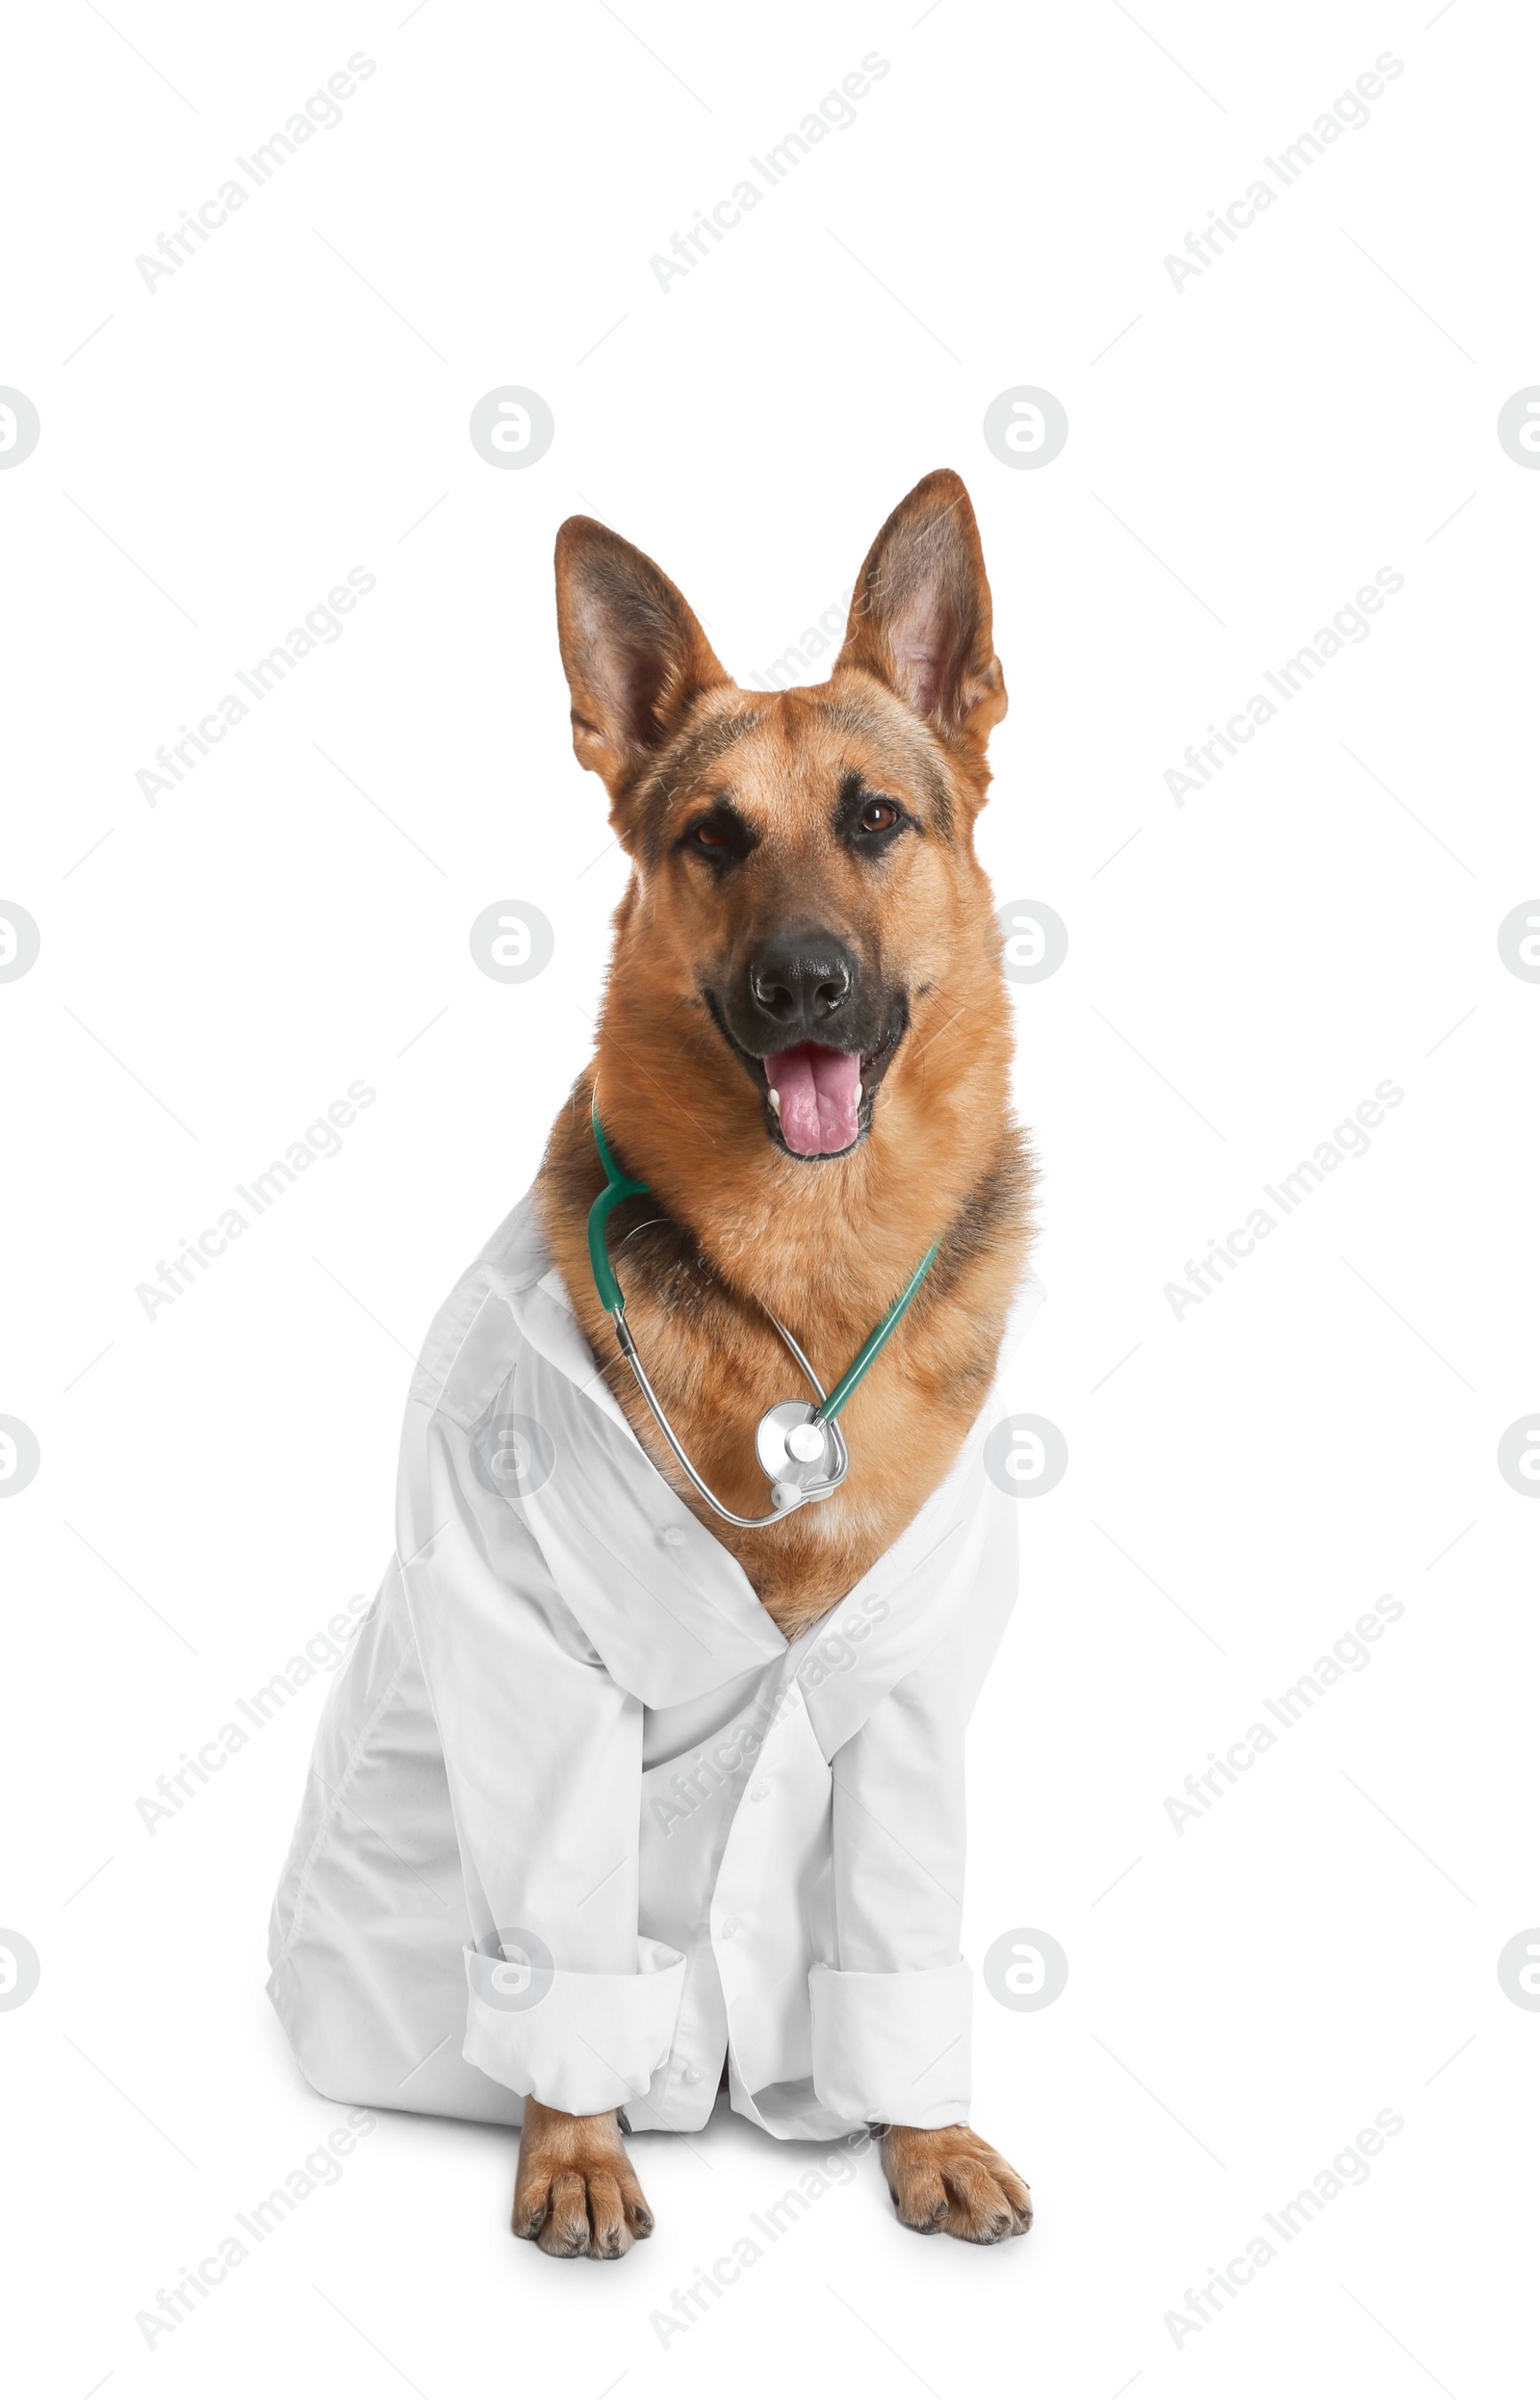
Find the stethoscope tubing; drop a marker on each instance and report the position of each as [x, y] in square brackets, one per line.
[730, 1516]
[619, 1187]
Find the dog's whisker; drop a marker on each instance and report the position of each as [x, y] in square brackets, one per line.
[639, 1228]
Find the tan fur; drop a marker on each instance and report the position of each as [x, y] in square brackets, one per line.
[577, 2193]
[951, 2182]
[733, 1225]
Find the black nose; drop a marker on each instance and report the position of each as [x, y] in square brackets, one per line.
[798, 984]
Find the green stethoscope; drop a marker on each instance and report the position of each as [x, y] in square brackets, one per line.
[800, 1447]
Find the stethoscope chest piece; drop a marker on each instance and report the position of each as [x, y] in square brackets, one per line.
[803, 1459]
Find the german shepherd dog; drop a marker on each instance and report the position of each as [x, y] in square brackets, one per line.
[805, 1051]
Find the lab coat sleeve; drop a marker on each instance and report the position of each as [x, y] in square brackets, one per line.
[893, 2010]
[543, 1752]
[892, 2014]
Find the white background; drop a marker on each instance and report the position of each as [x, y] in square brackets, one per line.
[1244, 454]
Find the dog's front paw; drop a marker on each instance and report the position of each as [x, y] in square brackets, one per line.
[577, 2193]
[951, 2182]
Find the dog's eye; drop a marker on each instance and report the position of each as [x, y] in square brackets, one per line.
[722, 839]
[866, 819]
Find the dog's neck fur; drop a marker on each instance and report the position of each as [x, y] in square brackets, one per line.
[732, 1227]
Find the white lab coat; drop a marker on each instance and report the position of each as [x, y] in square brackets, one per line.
[570, 1737]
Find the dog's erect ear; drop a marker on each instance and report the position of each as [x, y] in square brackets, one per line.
[634, 655]
[921, 618]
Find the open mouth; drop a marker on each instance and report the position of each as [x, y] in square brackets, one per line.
[817, 1099]
[817, 1095]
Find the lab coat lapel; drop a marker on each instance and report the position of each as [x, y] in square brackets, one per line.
[895, 1615]
[852, 1658]
[669, 1610]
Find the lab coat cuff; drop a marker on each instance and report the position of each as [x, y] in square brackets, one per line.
[893, 2049]
[585, 2042]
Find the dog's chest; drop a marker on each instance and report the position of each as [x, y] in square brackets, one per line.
[902, 1442]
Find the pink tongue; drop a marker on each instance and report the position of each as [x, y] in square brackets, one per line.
[818, 1105]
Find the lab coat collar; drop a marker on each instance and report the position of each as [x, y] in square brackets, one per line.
[668, 1608]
